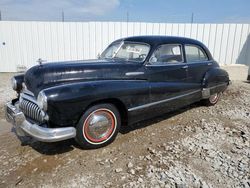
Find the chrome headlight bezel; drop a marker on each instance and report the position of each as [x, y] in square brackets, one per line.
[42, 101]
[14, 83]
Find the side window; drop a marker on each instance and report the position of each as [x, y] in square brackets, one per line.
[194, 53]
[167, 53]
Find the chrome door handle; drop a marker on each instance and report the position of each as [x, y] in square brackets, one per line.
[209, 64]
[184, 67]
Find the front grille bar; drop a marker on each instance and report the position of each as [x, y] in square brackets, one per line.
[30, 108]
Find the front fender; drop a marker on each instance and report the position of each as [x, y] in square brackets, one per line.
[66, 103]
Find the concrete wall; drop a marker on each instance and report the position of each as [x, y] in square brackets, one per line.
[236, 71]
[22, 43]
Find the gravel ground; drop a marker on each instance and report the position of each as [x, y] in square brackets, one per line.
[194, 147]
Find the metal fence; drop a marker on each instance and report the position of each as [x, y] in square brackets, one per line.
[22, 43]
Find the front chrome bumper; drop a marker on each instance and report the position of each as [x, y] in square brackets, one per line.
[24, 127]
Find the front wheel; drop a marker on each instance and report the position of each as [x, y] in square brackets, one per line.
[98, 126]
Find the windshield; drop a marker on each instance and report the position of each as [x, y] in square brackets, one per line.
[127, 51]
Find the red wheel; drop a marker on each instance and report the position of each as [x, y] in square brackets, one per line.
[98, 126]
[213, 99]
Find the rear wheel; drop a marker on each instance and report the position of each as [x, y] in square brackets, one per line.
[213, 99]
[98, 126]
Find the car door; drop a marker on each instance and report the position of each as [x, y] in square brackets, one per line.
[167, 73]
[198, 64]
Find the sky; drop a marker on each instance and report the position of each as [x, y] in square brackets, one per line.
[175, 11]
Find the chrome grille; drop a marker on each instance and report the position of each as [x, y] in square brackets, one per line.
[31, 110]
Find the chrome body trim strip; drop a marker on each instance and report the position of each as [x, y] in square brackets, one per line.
[134, 73]
[162, 101]
[224, 84]
[28, 92]
[172, 98]
[206, 92]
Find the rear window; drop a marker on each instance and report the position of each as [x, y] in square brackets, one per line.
[195, 54]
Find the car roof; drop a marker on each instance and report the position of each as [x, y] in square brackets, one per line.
[157, 39]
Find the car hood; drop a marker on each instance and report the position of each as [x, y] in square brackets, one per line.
[52, 74]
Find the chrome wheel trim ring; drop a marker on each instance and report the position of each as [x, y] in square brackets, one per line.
[214, 98]
[107, 134]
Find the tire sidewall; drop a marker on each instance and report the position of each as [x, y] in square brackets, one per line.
[209, 103]
[82, 140]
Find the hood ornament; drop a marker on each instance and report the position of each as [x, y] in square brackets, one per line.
[40, 61]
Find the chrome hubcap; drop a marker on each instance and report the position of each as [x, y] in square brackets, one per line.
[99, 126]
[214, 98]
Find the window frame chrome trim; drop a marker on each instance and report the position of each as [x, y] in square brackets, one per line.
[133, 42]
[147, 64]
[199, 47]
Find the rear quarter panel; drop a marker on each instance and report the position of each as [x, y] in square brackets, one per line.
[217, 79]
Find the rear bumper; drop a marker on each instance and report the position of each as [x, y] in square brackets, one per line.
[24, 127]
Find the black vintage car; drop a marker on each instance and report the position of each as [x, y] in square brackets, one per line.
[135, 78]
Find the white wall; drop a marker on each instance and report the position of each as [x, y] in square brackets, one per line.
[25, 42]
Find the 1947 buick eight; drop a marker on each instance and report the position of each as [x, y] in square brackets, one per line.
[135, 78]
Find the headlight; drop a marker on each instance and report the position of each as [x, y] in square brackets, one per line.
[42, 100]
[14, 83]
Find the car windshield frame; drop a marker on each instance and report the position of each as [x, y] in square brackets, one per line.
[121, 43]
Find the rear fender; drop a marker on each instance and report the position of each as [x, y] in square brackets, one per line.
[215, 80]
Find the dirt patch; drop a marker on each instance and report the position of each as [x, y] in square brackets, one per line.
[6, 92]
[194, 147]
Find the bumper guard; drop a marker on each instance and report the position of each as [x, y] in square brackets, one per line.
[24, 127]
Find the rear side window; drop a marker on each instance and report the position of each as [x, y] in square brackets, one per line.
[167, 53]
[194, 53]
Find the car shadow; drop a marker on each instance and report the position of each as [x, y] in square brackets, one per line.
[46, 148]
[157, 119]
[69, 145]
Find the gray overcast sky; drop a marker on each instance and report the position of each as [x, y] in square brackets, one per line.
[212, 11]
